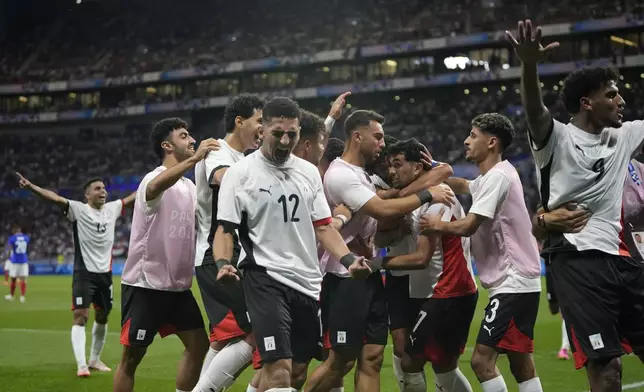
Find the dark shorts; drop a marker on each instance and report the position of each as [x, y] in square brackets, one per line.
[442, 326]
[601, 297]
[285, 321]
[553, 303]
[146, 312]
[357, 311]
[509, 321]
[225, 305]
[401, 309]
[92, 288]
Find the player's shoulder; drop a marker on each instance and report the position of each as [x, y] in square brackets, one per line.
[303, 165]
[341, 170]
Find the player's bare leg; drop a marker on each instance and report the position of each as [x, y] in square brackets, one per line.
[276, 376]
[524, 371]
[399, 337]
[130, 360]
[484, 366]
[331, 372]
[99, 335]
[78, 341]
[605, 375]
[368, 370]
[254, 384]
[196, 345]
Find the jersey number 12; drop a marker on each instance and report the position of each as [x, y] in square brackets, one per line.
[292, 199]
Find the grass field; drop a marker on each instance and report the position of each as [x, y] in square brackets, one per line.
[37, 355]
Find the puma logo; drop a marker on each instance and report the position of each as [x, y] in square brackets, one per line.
[489, 330]
[412, 339]
[266, 190]
[580, 150]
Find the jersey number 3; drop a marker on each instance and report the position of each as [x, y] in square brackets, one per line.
[295, 201]
[598, 168]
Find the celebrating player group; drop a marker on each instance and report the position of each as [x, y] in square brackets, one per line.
[285, 244]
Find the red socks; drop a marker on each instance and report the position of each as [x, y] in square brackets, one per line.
[23, 287]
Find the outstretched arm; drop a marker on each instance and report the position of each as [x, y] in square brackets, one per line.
[530, 51]
[425, 248]
[129, 200]
[44, 194]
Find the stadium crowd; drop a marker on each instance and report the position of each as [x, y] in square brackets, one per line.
[437, 118]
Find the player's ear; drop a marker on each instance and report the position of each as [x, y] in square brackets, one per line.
[585, 103]
[239, 121]
[167, 146]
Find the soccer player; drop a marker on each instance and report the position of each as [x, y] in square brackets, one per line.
[334, 149]
[435, 307]
[600, 288]
[358, 329]
[157, 276]
[19, 243]
[275, 201]
[506, 255]
[93, 223]
[231, 346]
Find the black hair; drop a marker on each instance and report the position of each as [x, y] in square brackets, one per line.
[311, 125]
[334, 149]
[582, 83]
[163, 129]
[412, 149]
[244, 106]
[361, 118]
[90, 181]
[281, 107]
[495, 124]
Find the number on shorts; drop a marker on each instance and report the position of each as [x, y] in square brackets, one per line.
[421, 316]
[493, 308]
[111, 292]
[320, 320]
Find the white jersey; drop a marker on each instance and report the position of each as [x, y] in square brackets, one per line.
[350, 185]
[207, 197]
[589, 169]
[276, 208]
[93, 234]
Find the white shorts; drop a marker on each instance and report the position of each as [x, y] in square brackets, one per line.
[19, 270]
[7, 265]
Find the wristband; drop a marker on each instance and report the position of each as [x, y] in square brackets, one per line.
[329, 122]
[343, 218]
[348, 259]
[425, 196]
[220, 263]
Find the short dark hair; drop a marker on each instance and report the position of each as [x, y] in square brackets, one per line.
[244, 106]
[582, 83]
[361, 118]
[311, 125]
[412, 149]
[90, 181]
[281, 107]
[163, 129]
[497, 125]
[334, 149]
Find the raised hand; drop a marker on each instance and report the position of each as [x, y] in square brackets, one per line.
[205, 147]
[442, 194]
[227, 274]
[338, 105]
[528, 47]
[23, 182]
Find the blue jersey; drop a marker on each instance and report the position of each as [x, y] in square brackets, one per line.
[19, 243]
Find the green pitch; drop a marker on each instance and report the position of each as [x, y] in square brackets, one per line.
[37, 354]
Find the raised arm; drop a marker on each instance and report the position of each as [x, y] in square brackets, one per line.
[334, 115]
[383, 209]
[44, 194]
[129, 200]
[530, 51]
[433, 177]
[460, 186]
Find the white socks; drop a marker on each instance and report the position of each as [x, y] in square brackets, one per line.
[337, 389]
[414, 382]
[223, 367]
[496, 384]
[212, 353]
[78, 344]
[398, 372]
[99, 334]
[453, 381]
[251, 388]
[565, 343]
[289, 389]
[532, 385]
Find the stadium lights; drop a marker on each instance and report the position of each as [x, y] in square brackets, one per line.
[505, 66]
[466, 91]
[485, 90]
[397, 98]
[642, 75]
[623, 41]
[627, 85]
[555, 87]
[391, 63]
[79, 1]
[412, 100]
[503, 88]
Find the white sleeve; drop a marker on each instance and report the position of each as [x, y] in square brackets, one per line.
[631, 136]
[474, 184]
[74, 210]
[543, 155]
[230, 203]
[115, 208]
[344, 186]
[491, 193]
[216, 160]
[379, 182]
[320, 211]
[150, 205]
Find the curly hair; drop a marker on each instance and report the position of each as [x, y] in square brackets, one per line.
[162, 129]
[497, 125]
[244, 106]
[311, 125]
[582, 83]
[281, 107]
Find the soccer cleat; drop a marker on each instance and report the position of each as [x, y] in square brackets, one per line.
[8, 297]
[22, 299]
[563, 354]
[83, 372]
[99, 365]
